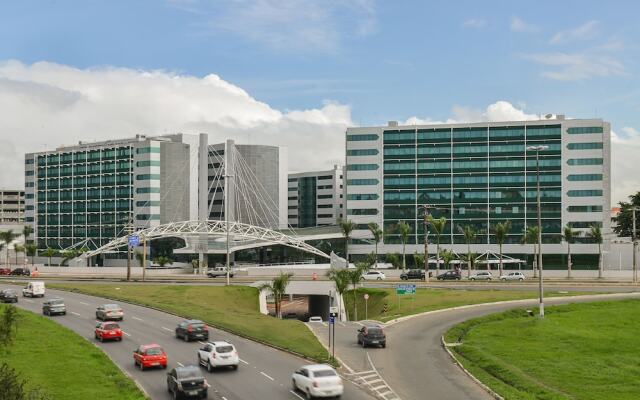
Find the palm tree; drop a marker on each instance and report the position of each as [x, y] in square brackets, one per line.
[418, 259]
[31, 250]
[26, 231]
[17, 249]
[595, 233]
[377, 233]
[278, 288]
[438, 226]
[7, 237]
[569, 235]
[340, 278]
[163, 260]
[500, 231]
[69, 255]
[347, 227]
[404, 229]
[50, 252]
[393, 259]
[469, 237]
[141, 258]
[447, 256]
[355, 276]
[531, 237]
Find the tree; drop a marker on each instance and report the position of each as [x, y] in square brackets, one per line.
[15, 388]
[372, 259]
[31, 250]
[377, 233]
[623, 222]
[141, 259]
[340, 278]
[8, 328]
[17, 249]
[470, 236]
[500, 231]
[404, 229]
[595, 233]
[418, 259]
[531, 237]
[346, 227]
[7, 237]
[470, 258]
[447, 256]
[278, 288]
[393, 259]
[163, 260]
[569, 235]
[67, 255]
[50, 252]
[438, 225]
[26, 231]
[355, 276]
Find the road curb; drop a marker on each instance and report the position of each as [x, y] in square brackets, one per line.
[135, 381]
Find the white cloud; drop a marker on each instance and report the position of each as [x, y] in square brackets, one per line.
[45, 105]
[586, 31]
[519, 25]
[474, 23]
[624, 170]
[578, 66]
[499, 111]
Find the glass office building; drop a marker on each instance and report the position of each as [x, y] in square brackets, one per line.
[315, 198]
[478, 175]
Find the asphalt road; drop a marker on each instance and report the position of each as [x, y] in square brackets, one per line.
[264, 373]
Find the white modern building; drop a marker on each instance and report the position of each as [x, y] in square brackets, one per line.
[315, 198]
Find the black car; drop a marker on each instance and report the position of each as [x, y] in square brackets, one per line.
[372, 335]
[21, 272]
[8, 296]
[54, 307]
[449, 275]
[416, 273]
[187, 381]
[192, 329]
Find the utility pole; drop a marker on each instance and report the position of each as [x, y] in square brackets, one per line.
[144, 256]
[540, 282]
[635, 244]
[426, 243]
[129, 230]
[227, 184]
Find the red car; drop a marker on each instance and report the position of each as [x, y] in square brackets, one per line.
[5, 271]
[149, 355]
[108, 331]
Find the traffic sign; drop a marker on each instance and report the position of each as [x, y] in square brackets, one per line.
[366, 296]
[134, 240]
[332, 320]
[405, 288]
[333, 310]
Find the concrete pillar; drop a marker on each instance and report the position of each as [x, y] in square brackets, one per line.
[203, 197]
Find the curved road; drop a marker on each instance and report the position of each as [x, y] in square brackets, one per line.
[264, 374]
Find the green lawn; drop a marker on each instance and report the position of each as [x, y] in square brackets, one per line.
[429, 300]
[581, 351]
[232, 308]
[64, 365]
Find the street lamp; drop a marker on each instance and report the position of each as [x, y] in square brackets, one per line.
[635, 243]
[537, 149]
[226, 218]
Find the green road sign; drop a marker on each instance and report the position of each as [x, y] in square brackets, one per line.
[405, 288]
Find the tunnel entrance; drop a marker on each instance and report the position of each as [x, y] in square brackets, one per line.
[301, 307]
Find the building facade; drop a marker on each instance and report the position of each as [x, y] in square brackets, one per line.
[315, 198]
[12, 209]
[96, 191]
[480, 174]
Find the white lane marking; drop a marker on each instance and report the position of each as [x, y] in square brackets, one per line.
[296, 394]
[166, 329]
[267, 376]
[342, 323]
[84, 304]
[180, 364]
[75, 313]
[28, 301]
[137, 319]
[202, 343]
[126, 333]
[224, 398]
[243, 361]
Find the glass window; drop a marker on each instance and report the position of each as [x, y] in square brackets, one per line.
[361, 182]
[543, 130]
[584, 208]
[501, 132]
[584, 177]
[148, 190]
[148, 163]
[469, 133]
[399, 166]
[434, 150]
[362, 167]
[584, 193]
[399, 136]
[585, 130]
[362, 211]
[435, 134]
[362, 196]
[585, 161]
[584, 224]
[482, 149]
[362, 152]
[399, 196]
[361, 138]
[147, 203]
[400, 151]
[585, 146]
[146, 177]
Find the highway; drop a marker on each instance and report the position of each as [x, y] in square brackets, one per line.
[264, 373]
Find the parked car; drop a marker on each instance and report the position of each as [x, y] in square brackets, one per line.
[374, 276]
[187, 381]
[149, 355]
[5, 271]
[315, 318]
[449, 275]
[8, 296]
[108, 331]
[415, 273]
[372, 335]
[317, 380]
[34, 289]
[192, 329]
[108, 312]
[21, 272]
[54, 306]
[219, 271]
[513, 276]
[218, 354]
[481, 276]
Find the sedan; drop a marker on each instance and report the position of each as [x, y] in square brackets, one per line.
[108, 331]
[374, 276]
[449, 275]
[192, 329]
[187, 381]
[317, 380]
[481, 276]
[54, 306]
[513, 276]
[149, 355]
[21, 272]
[8, 296]
[107, 312]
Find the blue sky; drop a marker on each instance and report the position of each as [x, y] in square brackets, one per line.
[387, 60]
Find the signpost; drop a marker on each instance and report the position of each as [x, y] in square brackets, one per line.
[366, 306]
[134, 240]
[404, 289]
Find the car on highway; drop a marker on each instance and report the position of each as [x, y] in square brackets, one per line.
[414, 273]
[315, 319]
[372, 335]
[108, 331]
[192, 329]
[218, 354]
[187, 381]
[449, 275]
[109, 312]
[20, 272]
[149, 356]
[34, 289]
[5, 271]
[219, 272]
[373, 276]
[513, 276]
[8, 296]
[481, 276]
[54, 306]
[317, 380]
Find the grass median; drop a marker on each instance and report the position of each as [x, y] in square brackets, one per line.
[429, 300]
[580, 351]
[232, 308]
[64, 365]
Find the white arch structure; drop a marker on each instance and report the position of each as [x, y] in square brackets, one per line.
[199, 229]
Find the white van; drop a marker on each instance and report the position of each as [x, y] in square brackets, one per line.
[33, 289]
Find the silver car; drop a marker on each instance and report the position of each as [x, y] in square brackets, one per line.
[107, 312]
[513, 276]
[481, 276]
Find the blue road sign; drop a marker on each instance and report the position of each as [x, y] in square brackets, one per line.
[332, 320]
[406, 288]
[134, 240]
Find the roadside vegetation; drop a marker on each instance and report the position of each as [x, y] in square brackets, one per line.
[232, 308]
[583, 351]
[32, 367]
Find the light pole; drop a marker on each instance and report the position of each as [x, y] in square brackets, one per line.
[226, 219]
[426, 242]
[635, 244]
[537, 149]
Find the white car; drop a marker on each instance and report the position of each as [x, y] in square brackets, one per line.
[33, 289]
[481, 275]
[218, 354]
[374, 276]
[315, 319]
[318, 380]
[513, 276]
